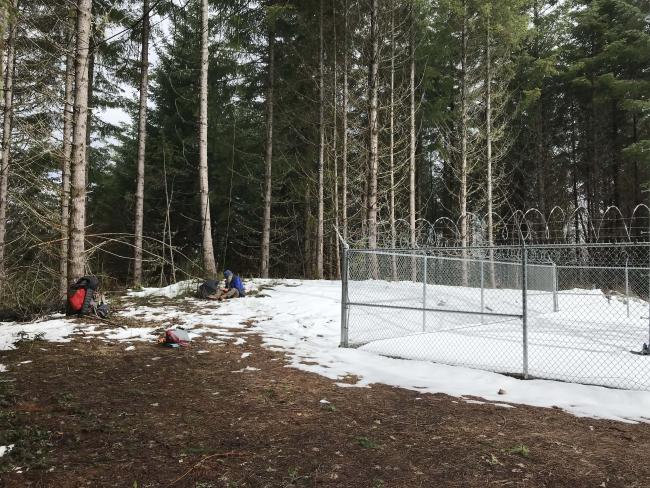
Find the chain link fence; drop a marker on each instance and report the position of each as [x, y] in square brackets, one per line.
[566, 312]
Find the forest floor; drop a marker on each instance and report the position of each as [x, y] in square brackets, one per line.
[231, 414]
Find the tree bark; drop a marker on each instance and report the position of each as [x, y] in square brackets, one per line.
[308, 244]
[393, 233]
[488, 131]
[488, 143]
[6, 139]
[337, 249]
[68, 109]
[209, 265]
[89, 116]
[540, 155]
[321, 150]
[373, 86]
[412, 129]
[412, 141]
[463, 143]
[77, 263]
[636, 183]
[168, 220]
[574, 171]
[142, 139]
[268, 160]
[344, 155]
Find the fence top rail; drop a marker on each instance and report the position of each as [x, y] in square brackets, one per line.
[550, 264]
[583, 245]
[584, 266]
[448, 258]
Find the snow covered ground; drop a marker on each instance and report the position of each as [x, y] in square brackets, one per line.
[588, 340]
[302, 319]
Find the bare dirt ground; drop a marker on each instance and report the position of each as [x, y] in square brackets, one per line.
[90, 413]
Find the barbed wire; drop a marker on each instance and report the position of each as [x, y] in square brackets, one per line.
[559, 225]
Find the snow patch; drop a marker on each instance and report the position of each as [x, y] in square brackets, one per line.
[187, 287]
[171, 291]
[6, 449]
[53, 330]
[131, 334]
[247, 368]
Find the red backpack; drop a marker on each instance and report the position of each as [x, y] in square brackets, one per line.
[76, 301]
[80, 296]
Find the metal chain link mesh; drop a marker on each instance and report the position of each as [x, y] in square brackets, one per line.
[577, 315]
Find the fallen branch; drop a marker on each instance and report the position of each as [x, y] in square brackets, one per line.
[218, 455]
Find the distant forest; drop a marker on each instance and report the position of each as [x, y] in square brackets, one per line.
[262, 131]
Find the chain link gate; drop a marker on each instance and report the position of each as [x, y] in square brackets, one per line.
[565, 312]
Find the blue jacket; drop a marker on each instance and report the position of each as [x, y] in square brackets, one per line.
[236, 282]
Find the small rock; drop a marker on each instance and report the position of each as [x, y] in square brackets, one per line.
[502, 391]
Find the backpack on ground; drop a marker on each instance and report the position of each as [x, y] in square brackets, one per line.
[175, 338]
[207, 288]
[83, 298]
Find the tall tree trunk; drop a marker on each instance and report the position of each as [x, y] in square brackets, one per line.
[595, 198]
[89, 116]
[3, 27]
[615, 171]
[76, 264]
[209, 265]
[337, 249]
[268, 160]
[68, 109]
[540, 149]
[168, 204]
[308, 244]
[574, 166]
[321, 150]
[637, 183]
[373, 166]
[463, 142]
[412, 145]
[6, 138]
[344, 156]
[142, 139]
[393, 233]
[488, 142]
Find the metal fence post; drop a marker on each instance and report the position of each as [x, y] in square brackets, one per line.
[482, 292]
[344, 297]
[555, 303]
[424, 293]
[524, 307]
[627, 289]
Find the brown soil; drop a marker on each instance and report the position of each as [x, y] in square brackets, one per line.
[89, 413]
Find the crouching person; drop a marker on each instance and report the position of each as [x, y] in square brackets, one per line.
[233, 288]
